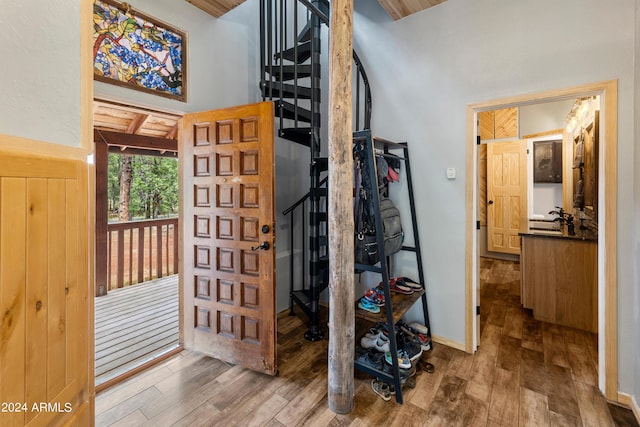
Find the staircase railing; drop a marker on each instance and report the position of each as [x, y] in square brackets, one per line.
[290, 61]
[284, 26]
[292, 211]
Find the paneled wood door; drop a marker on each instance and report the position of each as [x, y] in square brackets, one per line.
[44, 291]
[506, 194]
[227, 164]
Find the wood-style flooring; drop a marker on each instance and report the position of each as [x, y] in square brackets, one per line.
[135, 325]
[526, 373]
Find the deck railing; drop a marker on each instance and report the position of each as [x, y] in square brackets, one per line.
[141, 250]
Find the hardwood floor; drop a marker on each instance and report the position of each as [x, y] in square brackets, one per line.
[134, 325]
[525, 373]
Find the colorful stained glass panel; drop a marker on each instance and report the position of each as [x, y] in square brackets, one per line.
[131, 49]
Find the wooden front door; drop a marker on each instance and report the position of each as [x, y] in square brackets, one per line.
[227, 165]
[45, 361]
[506, 194]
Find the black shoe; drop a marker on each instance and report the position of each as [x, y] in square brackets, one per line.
[372, 358]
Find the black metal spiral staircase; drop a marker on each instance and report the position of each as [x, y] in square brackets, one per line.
[290, 44]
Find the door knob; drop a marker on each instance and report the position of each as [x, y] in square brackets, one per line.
[262, 246]
[490, 202]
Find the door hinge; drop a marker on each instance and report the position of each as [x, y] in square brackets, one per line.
[477, 310]
[478, 140]
[477, 225]
[527, 151]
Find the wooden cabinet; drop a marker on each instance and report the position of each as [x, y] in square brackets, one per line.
[498, 124]
[559, 280]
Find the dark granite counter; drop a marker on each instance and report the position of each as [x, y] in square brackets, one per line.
[538, 229]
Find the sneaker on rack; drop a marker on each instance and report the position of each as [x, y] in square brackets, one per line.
[376, 296]
[411, 283]
[419, 328]
[425, 342]
[405, 374]
[403, 359]
[367, 305]
[419, 338]
[395, 286]
[372, 359]
[410, 345]
[379, 342]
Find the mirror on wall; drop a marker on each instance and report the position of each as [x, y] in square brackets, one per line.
[582, 136]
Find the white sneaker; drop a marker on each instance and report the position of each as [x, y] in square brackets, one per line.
[379, 342]
[419, 327]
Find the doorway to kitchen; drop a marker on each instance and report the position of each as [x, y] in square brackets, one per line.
[606, 287]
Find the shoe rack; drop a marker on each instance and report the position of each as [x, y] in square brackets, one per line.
[396, 305]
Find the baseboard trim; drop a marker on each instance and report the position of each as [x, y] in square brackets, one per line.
[635, 408]
[448, 343]
[630, 401]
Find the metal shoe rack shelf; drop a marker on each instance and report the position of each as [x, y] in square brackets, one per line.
[396, 305]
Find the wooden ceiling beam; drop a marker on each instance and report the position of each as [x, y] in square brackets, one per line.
[173, 132]
[137, 123]
[119, 139]
[142, 152]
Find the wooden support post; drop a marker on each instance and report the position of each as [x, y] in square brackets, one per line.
[341, 260]
[102, 164]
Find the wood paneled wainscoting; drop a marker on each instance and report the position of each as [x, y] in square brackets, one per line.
[44, 290]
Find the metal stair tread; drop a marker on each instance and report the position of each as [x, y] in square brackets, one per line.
[289, 111]
[287, 72]
[303, 51]
[300, 135]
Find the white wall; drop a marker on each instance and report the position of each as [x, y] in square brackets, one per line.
[426, 68]
[543, 117]
[222, 57]
[40, 84]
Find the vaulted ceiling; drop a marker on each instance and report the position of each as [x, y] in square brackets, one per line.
[397, 9]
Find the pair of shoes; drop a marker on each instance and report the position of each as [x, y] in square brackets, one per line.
[413, 350]
[410, 283]
[376, 296]
[372, 358]
[377, 341]
[403, 359]
[382, 389]
[367, 305]
[409, 344]
[395, 286]
[419, 338]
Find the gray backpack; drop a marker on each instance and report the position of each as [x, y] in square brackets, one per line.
[391, 226]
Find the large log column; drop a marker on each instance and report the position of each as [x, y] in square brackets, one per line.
[341, 277]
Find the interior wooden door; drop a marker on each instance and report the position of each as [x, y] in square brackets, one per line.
[506, 194]
[227, 164]
[45, 361]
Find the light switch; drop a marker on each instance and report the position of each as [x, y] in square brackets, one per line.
[451, 173]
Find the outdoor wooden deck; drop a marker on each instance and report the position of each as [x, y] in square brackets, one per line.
[135, 325]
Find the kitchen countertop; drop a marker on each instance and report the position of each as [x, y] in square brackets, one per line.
[529, 228]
